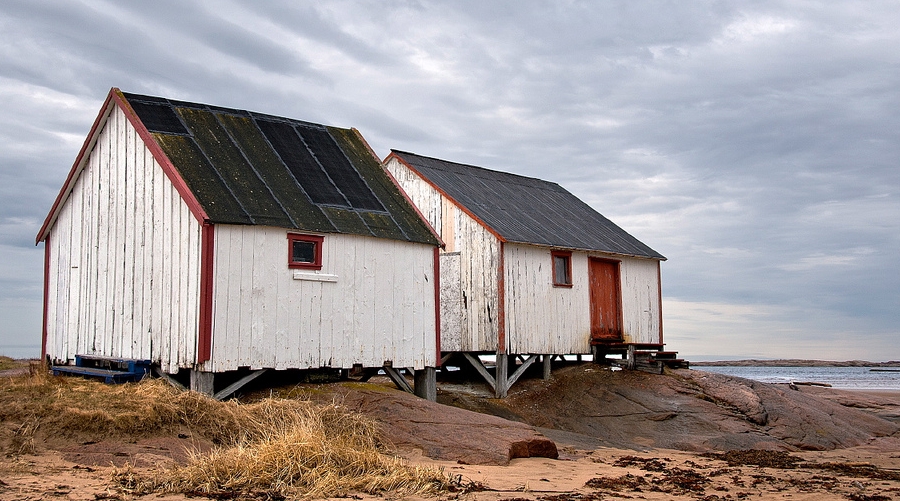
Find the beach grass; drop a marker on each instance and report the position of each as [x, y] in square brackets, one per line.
[274, 447]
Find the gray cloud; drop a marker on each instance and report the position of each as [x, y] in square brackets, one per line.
[754, 145]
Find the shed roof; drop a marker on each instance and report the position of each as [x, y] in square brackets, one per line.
[242, 167]
[526, 210]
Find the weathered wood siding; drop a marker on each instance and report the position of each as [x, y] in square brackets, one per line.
[372, 301]
[124, 259]
[474, 283]
[541, 318]
[640, 300]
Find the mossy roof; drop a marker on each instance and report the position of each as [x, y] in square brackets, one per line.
[256, 169]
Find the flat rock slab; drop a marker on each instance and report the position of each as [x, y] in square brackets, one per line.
[441, 432]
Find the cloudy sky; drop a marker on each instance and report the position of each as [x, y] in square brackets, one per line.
[754, 144]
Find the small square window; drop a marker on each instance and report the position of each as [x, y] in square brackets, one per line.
[562, 268]
[305, 251]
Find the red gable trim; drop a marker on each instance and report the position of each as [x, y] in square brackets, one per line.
[400, 189]
[171, 172]
[76, 168]
[116, 98]
[443, 193]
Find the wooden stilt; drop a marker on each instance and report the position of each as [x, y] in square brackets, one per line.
[202, 382]
[502, 375]
[518, 373]
[548, 360]
[227, 391]
[398, 379]
[426, 384]
[630, 362]
[479, 367]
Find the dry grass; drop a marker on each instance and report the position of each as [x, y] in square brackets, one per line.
[7, 363]
[274, 447]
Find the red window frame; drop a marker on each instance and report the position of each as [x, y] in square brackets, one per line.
[316, 263]
[568, 257]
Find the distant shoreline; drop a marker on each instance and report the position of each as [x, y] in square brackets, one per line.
[794, 363]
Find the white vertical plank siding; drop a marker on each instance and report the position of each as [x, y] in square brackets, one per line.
[124, 259]
[380, 308]
[541, 318]
[475, 281]
[427, 199]
[640, 300]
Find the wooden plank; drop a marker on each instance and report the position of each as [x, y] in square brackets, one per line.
[398, 379]
[104, 196]
[480, 368]
[237, 385]
[87, 313]
[166, 275]
[140, 241]
[511, 380]
[156, 273]
[127, 164]
[115, 336]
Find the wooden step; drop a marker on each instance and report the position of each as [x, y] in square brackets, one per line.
[107, 375]
[135, 365]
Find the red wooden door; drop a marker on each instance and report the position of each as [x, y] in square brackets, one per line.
[606, 310]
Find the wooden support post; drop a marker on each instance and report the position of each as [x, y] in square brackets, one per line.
[426, 384]
[630, 363]
[398, 379]
[598, 353]
[227, 391]
[502, 379]
[518, 373]
[479, 367]
[202, 382]
[548, 360]
[578, 357]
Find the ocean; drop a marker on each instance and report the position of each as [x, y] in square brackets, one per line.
[20, 350]
[847, 378]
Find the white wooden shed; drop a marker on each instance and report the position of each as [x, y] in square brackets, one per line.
[211, 240]
[530, 270]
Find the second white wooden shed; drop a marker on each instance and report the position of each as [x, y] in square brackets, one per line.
[210, 240]
[529, 269]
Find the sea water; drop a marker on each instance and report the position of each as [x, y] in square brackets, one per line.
[848, 378]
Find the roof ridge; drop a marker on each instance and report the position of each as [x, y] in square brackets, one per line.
[476, 167]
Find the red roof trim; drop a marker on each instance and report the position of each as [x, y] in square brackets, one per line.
[171, 172]
[115, 97]
[406, 196]
[76, 168]
[444, 193]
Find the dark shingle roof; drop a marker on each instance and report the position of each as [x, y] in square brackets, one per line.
[527, 210]
[251, 168]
